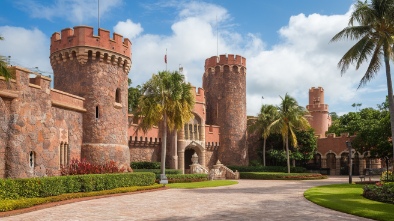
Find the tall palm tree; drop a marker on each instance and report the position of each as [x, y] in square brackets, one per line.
[267, 115]
[372, 25]
[4, 72]
[168, 100]
[291, 118]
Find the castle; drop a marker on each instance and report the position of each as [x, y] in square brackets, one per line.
[86, 115]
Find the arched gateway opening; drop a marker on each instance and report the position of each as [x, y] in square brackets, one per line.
[185, 156]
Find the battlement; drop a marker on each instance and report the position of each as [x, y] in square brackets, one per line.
[225, 60]
[199, 94]
[316, 95]
[83, 36]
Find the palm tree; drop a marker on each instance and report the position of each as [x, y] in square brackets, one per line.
[372, 25]
[168, 100]
[4, 72]
[291, 118]
[267, 115]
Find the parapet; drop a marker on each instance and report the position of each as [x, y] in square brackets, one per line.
[83, 36]
[225, 60]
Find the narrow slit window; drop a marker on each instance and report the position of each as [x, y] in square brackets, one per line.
[31, 159]
[117, 95]
[97, 112]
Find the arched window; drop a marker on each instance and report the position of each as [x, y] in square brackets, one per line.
[117, 95]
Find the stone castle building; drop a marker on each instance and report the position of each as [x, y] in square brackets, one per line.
[332, 151]
[86, 115]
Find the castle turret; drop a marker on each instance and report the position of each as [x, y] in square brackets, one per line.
[96, 68]
[320, 120]
[224, 82]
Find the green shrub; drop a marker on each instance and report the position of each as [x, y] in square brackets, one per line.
[280, 176]
[387, 174]
[267, 169]
[53, 186]
[145, 165]
[382, 192]
[157, 172]
[186, 178]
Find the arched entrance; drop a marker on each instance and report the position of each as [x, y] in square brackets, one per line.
[188, 159]
[185, 156]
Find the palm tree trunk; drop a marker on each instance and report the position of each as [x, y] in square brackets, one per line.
[264, 151]
[164, 145]
[390, 98]
[287, 154]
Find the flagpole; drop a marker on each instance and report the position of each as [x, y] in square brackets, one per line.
[166, 59]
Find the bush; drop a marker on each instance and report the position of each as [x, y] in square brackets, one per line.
[267, 169]
[145, 165]
[84, 167]
[382, 192]
[387, 174]
[53, 186]
[186, 178]
[157, 172]
[281, 176]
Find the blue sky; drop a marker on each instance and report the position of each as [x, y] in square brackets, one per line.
[285, 42]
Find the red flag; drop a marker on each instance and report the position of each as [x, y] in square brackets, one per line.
[165, 59]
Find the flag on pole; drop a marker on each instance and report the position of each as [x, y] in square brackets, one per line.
[165, 59]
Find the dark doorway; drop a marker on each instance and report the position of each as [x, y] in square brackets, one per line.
[188, 158]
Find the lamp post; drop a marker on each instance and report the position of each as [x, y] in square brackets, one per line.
[349, 146]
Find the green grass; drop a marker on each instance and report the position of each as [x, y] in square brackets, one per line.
[194, 185]
[281, 176]
[8, 205]
[348, 198]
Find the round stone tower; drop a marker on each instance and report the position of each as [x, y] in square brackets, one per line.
[96, 68]
[224, 82]
[321, 119]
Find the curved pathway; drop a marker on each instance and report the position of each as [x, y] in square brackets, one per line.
[249, 200]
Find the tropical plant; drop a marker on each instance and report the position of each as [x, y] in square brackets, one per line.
[267, 115]
[291, 118]
[168, 100]
[4, 72]
[372, 25]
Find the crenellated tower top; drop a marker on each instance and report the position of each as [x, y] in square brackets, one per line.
[225, 60]
[80, 43]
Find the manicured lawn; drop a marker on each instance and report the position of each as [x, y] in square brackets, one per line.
[194, 185]
[348, 198]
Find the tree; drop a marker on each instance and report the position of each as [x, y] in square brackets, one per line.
[168, 100]
[307, 144]
[267, 115]
[4, 72]
[134, 94]
[372, 25]
[291, 117]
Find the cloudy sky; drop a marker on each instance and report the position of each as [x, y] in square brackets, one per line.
[286, 42]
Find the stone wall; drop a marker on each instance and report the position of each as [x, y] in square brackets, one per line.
[33, 130]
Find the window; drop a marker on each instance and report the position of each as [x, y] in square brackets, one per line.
[31, 159]
[117, 95]
[63, 154]
[97, 112]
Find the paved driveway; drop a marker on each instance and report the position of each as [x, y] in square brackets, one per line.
[248, 200]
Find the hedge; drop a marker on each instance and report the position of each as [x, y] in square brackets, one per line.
[281, 176]
[157, 172]
[53, 186]
[267, 169]
[13, 204]
[145, 165]
[186, 178]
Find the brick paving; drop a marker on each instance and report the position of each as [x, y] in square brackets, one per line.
[248, 200]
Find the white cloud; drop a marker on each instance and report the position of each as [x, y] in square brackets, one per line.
[27, 47]
[76, 11]
[303, 59]
[128, 29]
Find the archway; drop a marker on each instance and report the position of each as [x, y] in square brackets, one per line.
[188, 159]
